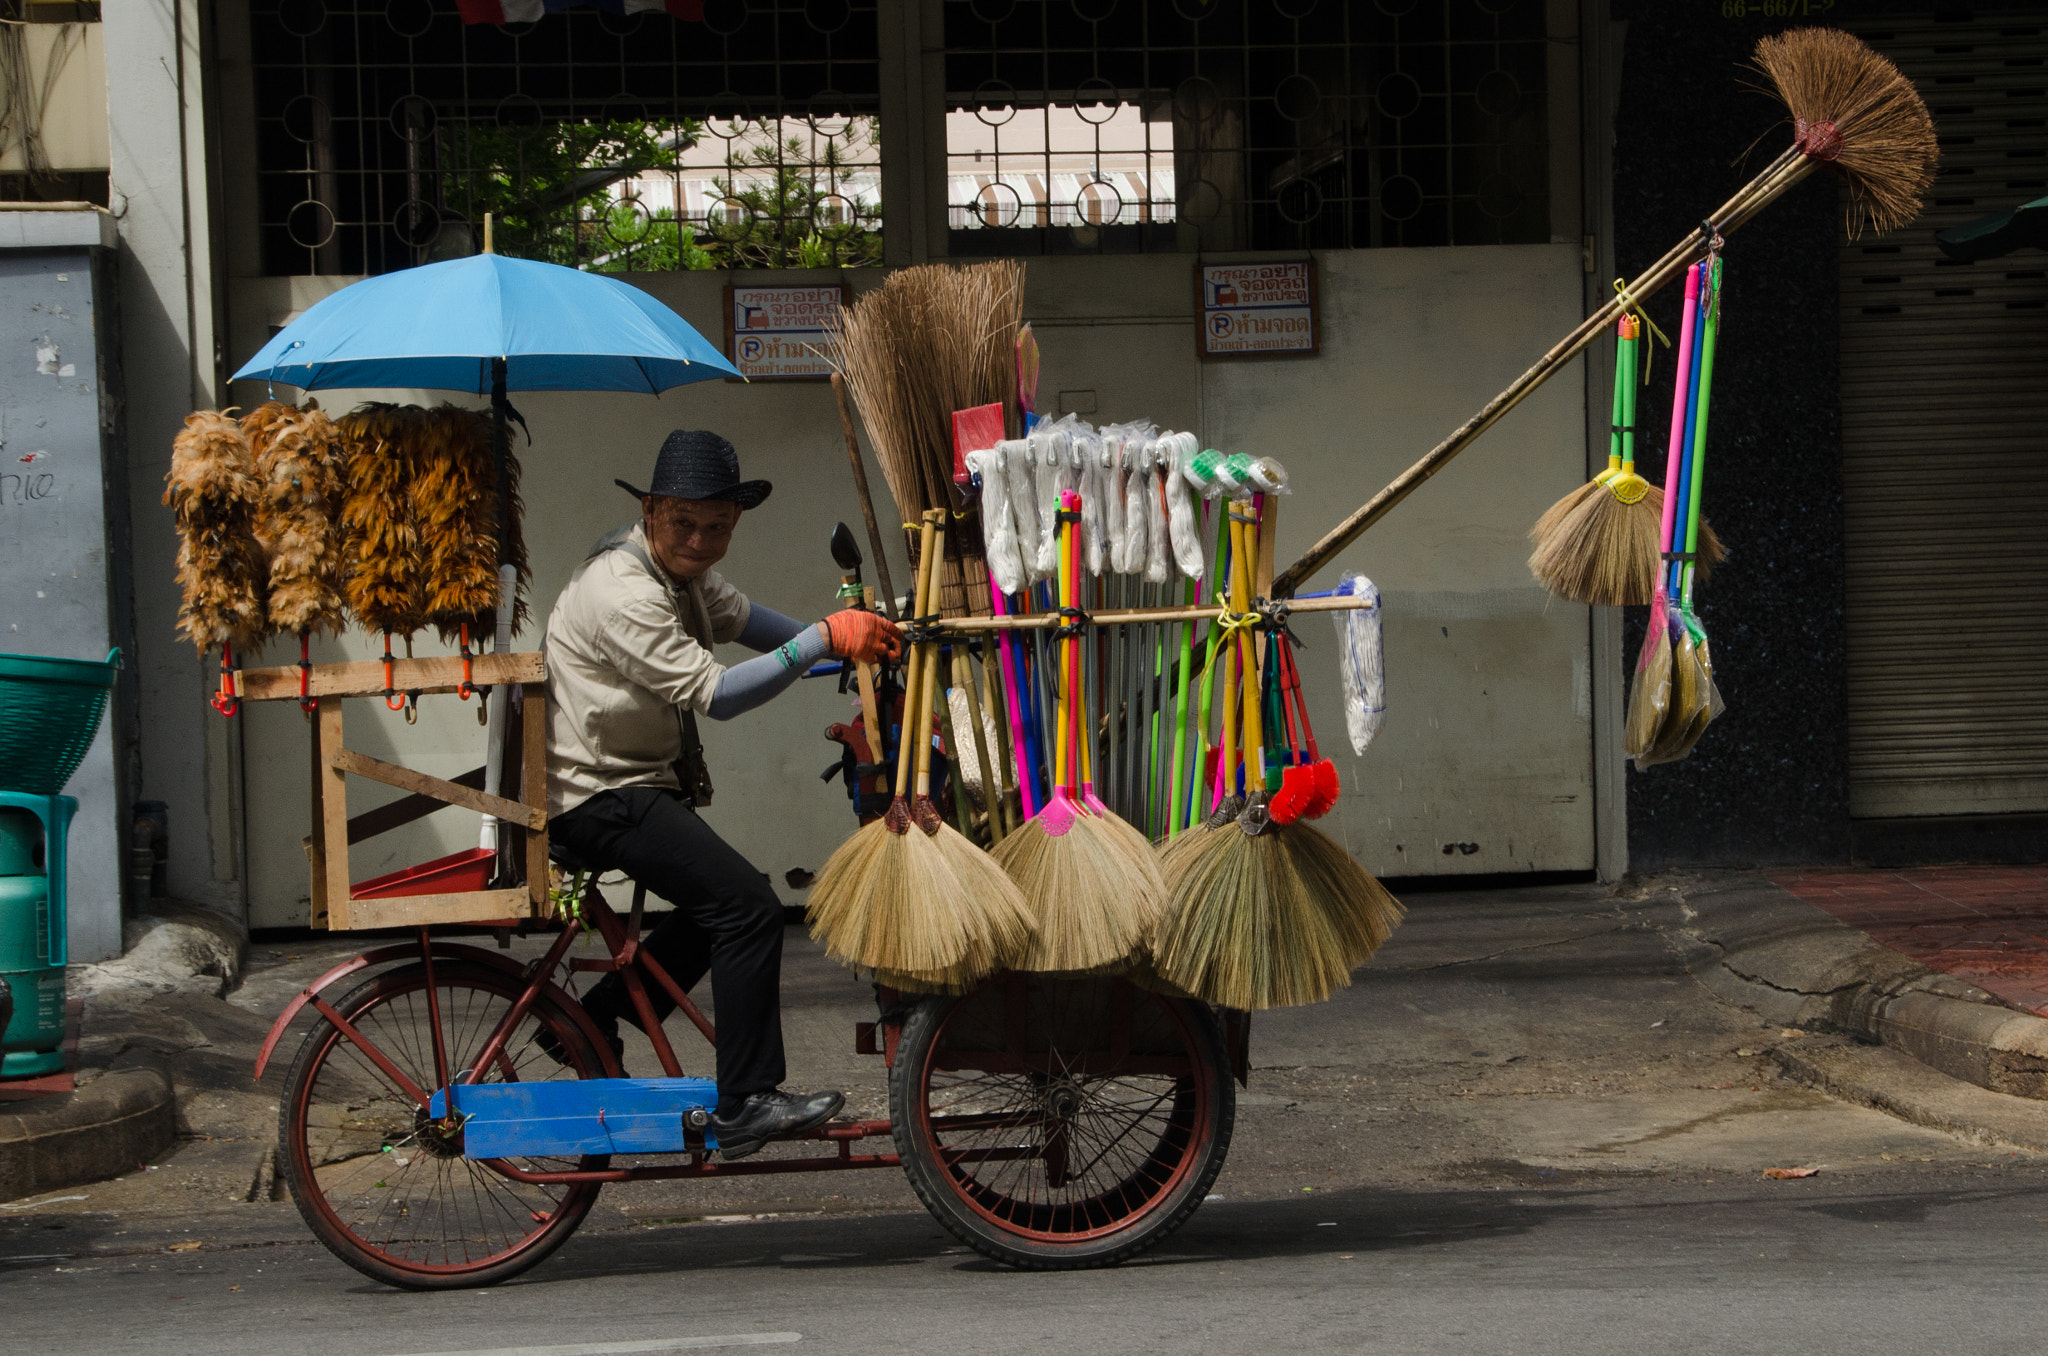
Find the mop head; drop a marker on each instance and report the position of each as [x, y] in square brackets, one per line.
[385, 565]
[300, 457]
[926, 912]
[1097, 895]
[213, 492]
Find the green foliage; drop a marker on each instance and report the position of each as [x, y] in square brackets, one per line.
[550, 191]
[780, 226]
[546, 187]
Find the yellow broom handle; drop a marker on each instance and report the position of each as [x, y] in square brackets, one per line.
[1254, 741]
[905, 754]
[928, 665]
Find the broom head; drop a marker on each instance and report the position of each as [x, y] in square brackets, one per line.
[1606, 551]
[1852, 108]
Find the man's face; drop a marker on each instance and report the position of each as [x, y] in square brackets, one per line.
[688, 536]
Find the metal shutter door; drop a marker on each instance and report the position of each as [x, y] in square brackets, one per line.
[1945, 452]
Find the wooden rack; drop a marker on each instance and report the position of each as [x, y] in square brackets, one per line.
[516, 677]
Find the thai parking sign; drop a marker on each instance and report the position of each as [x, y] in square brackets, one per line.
[1257, 310]
[777, 332]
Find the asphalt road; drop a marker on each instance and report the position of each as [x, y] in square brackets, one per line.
[1945, 1261]
[1526, 1128]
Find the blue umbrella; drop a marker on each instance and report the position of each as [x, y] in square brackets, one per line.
[489, 321]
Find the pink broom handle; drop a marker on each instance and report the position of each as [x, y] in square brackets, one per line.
[1016, 715]
[1673, 461]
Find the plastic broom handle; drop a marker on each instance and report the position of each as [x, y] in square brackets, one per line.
[1675, 452]
[1018, 753]
[1628, 411]
[1617, 418]
[1683, 490]
[1712, 307]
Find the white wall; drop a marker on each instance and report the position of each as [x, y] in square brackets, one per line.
[1488, 736]
[159, 195]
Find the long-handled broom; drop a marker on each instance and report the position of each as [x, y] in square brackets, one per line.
[1091, 879]
[898, 896]
[1851, 109]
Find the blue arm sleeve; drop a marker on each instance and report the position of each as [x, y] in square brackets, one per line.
[766, 628]
[745, 686]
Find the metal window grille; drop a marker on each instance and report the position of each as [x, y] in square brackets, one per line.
[387, 128]
[1268, 124]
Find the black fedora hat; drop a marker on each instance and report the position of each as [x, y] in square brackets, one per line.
[698, 464]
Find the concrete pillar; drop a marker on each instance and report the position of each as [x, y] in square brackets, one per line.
[163, 199]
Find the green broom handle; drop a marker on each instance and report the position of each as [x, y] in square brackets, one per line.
[1627, 378]
[1699, 437]
[1176, 795]
[1619, 415]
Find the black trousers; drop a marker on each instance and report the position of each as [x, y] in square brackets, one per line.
[727, 920]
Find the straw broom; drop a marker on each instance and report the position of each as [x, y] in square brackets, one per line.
[1851, 109]
[1263, 914]
[900, 897]
[1089, 875]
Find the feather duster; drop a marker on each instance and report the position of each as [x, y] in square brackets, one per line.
[213, 491]
[456, 496]
[383, 562]
[300, 458]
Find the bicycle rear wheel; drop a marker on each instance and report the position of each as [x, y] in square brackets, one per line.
[380, 1181]
[1057, 1122]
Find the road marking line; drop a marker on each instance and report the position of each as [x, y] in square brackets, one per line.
[653, 1345]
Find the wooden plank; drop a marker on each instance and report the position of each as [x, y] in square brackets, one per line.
[364, 678]
[333, 814]
[472, 906]
[316, 853]
[406, 809]
[533, 789]
[405, 779]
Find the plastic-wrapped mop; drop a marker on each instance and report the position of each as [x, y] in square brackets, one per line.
[998, 524]
[1087, 446]
[1182, 529]
[1137, 461]
[1361, 658]
[1157, 552]
[1109, 481]
[1020, 491]
[1053, 473]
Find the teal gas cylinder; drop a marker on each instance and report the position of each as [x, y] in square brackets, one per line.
[33, 1041]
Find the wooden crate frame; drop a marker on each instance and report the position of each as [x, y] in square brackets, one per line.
[334, 904]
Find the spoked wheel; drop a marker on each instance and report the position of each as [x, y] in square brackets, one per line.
[383, 1183]
[1054, 1122]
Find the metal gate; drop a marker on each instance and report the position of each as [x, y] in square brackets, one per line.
[1945, 450]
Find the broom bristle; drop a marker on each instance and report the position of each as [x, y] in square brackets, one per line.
[1251, 931]
[881, 902]
[1604, 552]
[1363, 912]
[1082, 884]
[1554, 516]
[1856, 109]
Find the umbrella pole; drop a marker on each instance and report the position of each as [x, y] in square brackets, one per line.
[508, 583]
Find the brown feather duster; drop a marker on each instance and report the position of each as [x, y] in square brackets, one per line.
[456, 496]
[300, 457]
[384, 564]
[213, 491]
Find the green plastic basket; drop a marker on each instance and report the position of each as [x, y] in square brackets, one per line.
[49, 711]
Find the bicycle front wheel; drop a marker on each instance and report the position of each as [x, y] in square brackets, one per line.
[379, 1180]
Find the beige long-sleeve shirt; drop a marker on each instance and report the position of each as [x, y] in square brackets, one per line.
[629, 647]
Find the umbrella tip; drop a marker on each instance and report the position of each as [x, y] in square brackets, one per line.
[487, 234]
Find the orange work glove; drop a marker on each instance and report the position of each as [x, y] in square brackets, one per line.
[866, 637]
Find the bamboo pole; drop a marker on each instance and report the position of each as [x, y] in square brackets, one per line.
[1047, 621]
[1788, 169]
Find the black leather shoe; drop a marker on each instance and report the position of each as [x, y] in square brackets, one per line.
[773, 1115]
